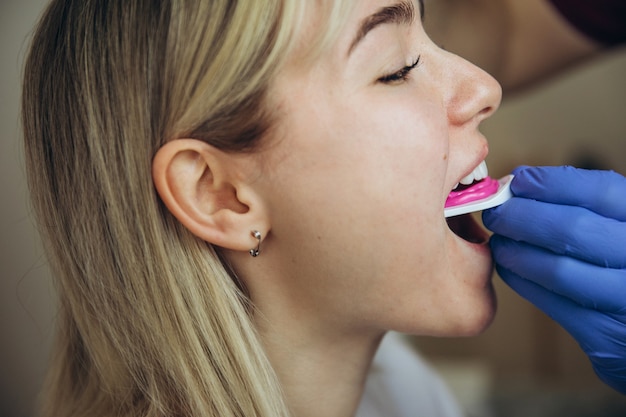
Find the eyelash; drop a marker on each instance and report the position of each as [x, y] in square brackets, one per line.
[401, 75]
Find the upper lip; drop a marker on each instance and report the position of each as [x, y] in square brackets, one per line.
[477, 174]
[481, 158]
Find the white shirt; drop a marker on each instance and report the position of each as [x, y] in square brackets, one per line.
[401, 384]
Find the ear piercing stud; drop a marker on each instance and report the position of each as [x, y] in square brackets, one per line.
[257, 235]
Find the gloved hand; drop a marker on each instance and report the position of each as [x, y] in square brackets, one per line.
[560, 242]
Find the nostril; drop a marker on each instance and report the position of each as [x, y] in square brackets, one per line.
[487, 111]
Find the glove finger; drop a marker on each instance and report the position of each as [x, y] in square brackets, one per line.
[603, 192]
[576, 319]
[611, 370]
[600, 336]
[565, 230]
[586, 284]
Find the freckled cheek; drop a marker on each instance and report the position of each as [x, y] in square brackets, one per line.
[425, 153]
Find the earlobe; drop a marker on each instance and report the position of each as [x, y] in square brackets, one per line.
[205, 189]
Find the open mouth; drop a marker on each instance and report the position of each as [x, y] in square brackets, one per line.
[478, 190]
[475, 186]
[468, 228]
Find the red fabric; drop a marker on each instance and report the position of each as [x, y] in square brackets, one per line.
[602, 20]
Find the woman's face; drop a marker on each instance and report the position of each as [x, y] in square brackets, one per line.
[370, 139]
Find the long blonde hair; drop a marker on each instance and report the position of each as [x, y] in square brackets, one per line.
[150, 321]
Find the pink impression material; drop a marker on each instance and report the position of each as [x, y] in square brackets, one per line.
[477, 191]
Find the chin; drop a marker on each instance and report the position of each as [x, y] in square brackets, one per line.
[470, 308]
[477, 317]
[460, 315]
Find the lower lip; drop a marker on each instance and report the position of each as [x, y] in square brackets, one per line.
[472, 245]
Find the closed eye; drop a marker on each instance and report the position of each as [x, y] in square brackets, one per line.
[400, 75]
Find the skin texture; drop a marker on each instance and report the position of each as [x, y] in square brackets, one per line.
[348, 194]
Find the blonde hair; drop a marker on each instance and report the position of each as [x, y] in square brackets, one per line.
[150, 321]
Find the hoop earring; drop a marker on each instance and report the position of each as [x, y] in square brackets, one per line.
[257, 235]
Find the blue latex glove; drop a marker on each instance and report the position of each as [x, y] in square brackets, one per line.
[560, 242]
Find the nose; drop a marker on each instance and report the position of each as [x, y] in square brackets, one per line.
[474, 95]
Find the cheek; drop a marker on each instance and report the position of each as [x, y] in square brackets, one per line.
[378, 159]
[363, 180]
[366, 153]
[409, 147]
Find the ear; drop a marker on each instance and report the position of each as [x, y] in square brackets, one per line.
[207, 191]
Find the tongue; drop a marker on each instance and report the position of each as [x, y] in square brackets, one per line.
[477, 191]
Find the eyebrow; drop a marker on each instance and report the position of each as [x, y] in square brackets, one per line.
[402, 13]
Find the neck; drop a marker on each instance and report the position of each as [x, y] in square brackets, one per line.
[321, 376]
[320, 354]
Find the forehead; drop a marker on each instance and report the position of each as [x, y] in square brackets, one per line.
[336, 27]
[401, 13]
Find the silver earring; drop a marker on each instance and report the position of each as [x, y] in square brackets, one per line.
[255, 252]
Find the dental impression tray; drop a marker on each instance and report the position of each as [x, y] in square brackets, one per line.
[485, 194]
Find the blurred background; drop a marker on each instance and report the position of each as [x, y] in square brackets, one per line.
[523, 365]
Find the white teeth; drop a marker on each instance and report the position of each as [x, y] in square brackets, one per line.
[479, 173]
[467, 180]
[483, 170]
